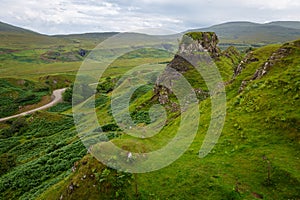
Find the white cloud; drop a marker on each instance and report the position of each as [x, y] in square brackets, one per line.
[67, 16]
[274, 4]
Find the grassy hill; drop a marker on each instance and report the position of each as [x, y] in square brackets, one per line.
[287, 24]
[257, 156]
[89, 39]
[13, 37]
[10, 28]
[29, 55]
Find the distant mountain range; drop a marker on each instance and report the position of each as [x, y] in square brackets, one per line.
[238, 33]
[287, 24]
[253, 33]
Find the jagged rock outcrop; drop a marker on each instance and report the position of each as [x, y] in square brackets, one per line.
[243, 85]
[247, 60]
[274, 58]
[233, 54]
[201, 41]
[162, 93]
[201, 94]
[230, 52]
[180, 64]
[191, 44]
[277, 56]
[190, 48]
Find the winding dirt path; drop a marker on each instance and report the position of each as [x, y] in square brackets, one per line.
[56, 98]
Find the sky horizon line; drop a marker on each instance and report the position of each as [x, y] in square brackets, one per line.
[111, 31]
[84, 16]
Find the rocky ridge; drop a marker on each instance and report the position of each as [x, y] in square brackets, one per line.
[276, 57]
[190, 48]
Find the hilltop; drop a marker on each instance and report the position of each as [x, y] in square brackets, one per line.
[16, 37]
[287, 24]
[4, 27]
[231, 33]
[254, 33]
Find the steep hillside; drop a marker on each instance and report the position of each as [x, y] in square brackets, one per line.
[14, 37]
[36, 152]
[10, 28]
[256, 157]
[17, 95]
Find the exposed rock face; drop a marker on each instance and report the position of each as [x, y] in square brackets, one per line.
[231, 51]
[233, 54]
[201, 41]
[180, 64]
[263, 70]
[193, 43]
[201, 94]
[243, 85]
[247, 60]
[274, 58]
[191, 46]
[163, 94]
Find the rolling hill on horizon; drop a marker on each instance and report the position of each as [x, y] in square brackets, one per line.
[254, 33]
[229, 32]
[288, 24]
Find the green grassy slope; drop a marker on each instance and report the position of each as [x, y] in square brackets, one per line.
[42, 149]
[4, 27]
[90, 40]
[257, 156]
[17, 94]
[14, 37]
[28, 55]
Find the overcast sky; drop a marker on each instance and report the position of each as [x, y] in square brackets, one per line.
[78, 16]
